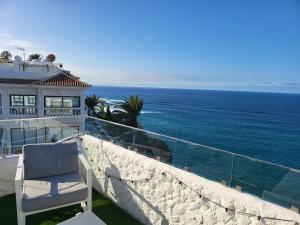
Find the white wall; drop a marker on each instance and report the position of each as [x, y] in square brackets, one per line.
[162, 200]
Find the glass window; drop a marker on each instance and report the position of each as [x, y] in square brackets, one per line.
[53, 134]
[21, 136]
[0, 100]
[16, 100]
[53, 102]
[70, 102]
[22, 100]
[17, 137]
[62, 102]
[30, 135]
[29, 100]
[1, 136]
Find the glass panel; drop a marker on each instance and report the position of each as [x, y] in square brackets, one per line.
[53, 102]
[29, 100]
[53, 134]
[70, 131]
[17, 100]
[274, 183]
[30, 135]
[69, 102]
[17, 138]
[1, 135]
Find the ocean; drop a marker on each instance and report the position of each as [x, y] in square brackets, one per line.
[265, 126]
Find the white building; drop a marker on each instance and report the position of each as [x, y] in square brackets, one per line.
[39, 89]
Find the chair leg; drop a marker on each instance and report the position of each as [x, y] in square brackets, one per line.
[84, 206]
[21, 218]
[89, 204]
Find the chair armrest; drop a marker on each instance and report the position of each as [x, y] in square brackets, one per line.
[89, 183]
[19, 172]
[18, 183]
[84, 161]
[87, 168]
[20, 161]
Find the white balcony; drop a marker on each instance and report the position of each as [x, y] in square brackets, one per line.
[57, 112]
[20, 111]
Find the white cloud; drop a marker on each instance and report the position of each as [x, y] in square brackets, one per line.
[10, 43]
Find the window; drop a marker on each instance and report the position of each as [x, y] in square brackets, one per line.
[54, 134]
[22, 136]
[22, 100]
[1, 136]
[53, 102]
[62, 102]
[71, 102]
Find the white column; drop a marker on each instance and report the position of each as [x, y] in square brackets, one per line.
[40, 102]
[5, 103]
[82, 103]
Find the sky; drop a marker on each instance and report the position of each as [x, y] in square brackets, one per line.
[251, 45]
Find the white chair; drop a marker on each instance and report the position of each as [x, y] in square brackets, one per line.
[51, 176]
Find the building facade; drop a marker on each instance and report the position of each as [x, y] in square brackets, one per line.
[36, 90]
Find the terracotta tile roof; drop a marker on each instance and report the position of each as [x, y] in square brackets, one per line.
[63, 79]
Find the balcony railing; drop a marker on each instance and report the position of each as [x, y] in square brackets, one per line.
[275, 183]
[22, 111]
[56, 112]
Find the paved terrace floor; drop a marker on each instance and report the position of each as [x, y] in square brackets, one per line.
[102, 207]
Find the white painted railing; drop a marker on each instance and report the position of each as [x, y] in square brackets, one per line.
[62, 112]
[22, 111]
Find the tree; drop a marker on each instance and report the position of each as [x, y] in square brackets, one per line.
[91, 102]
[5, 55]
[129, 111]
[35, 56]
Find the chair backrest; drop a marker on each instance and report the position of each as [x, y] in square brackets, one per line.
[43, 160]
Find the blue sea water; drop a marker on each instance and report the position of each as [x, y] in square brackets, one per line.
[265, 126]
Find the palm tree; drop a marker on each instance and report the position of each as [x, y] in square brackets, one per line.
[35, 56]
[129, 111]
[5, 55]
[91, 102]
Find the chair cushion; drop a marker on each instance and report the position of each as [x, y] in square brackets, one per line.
[42, 193]
[43, 160]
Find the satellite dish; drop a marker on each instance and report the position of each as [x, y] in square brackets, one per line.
[51, 58]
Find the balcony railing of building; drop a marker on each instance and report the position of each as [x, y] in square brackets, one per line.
[271, 182]
[56, 112]
[22, 111]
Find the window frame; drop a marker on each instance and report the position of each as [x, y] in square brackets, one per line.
[62, 101]
[10, 100]
[24, 134]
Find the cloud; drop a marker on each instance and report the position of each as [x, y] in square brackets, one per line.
[10, 43]
[292, 84]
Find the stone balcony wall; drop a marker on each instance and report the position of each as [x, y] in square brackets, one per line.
[163, 200]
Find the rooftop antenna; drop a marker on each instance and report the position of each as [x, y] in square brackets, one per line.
[23, 50]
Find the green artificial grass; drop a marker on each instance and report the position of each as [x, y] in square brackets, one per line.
[102, 207]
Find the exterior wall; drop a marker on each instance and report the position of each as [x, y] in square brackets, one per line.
[6, 90]
[162, 200]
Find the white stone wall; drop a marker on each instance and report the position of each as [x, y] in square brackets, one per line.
[162, 200]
